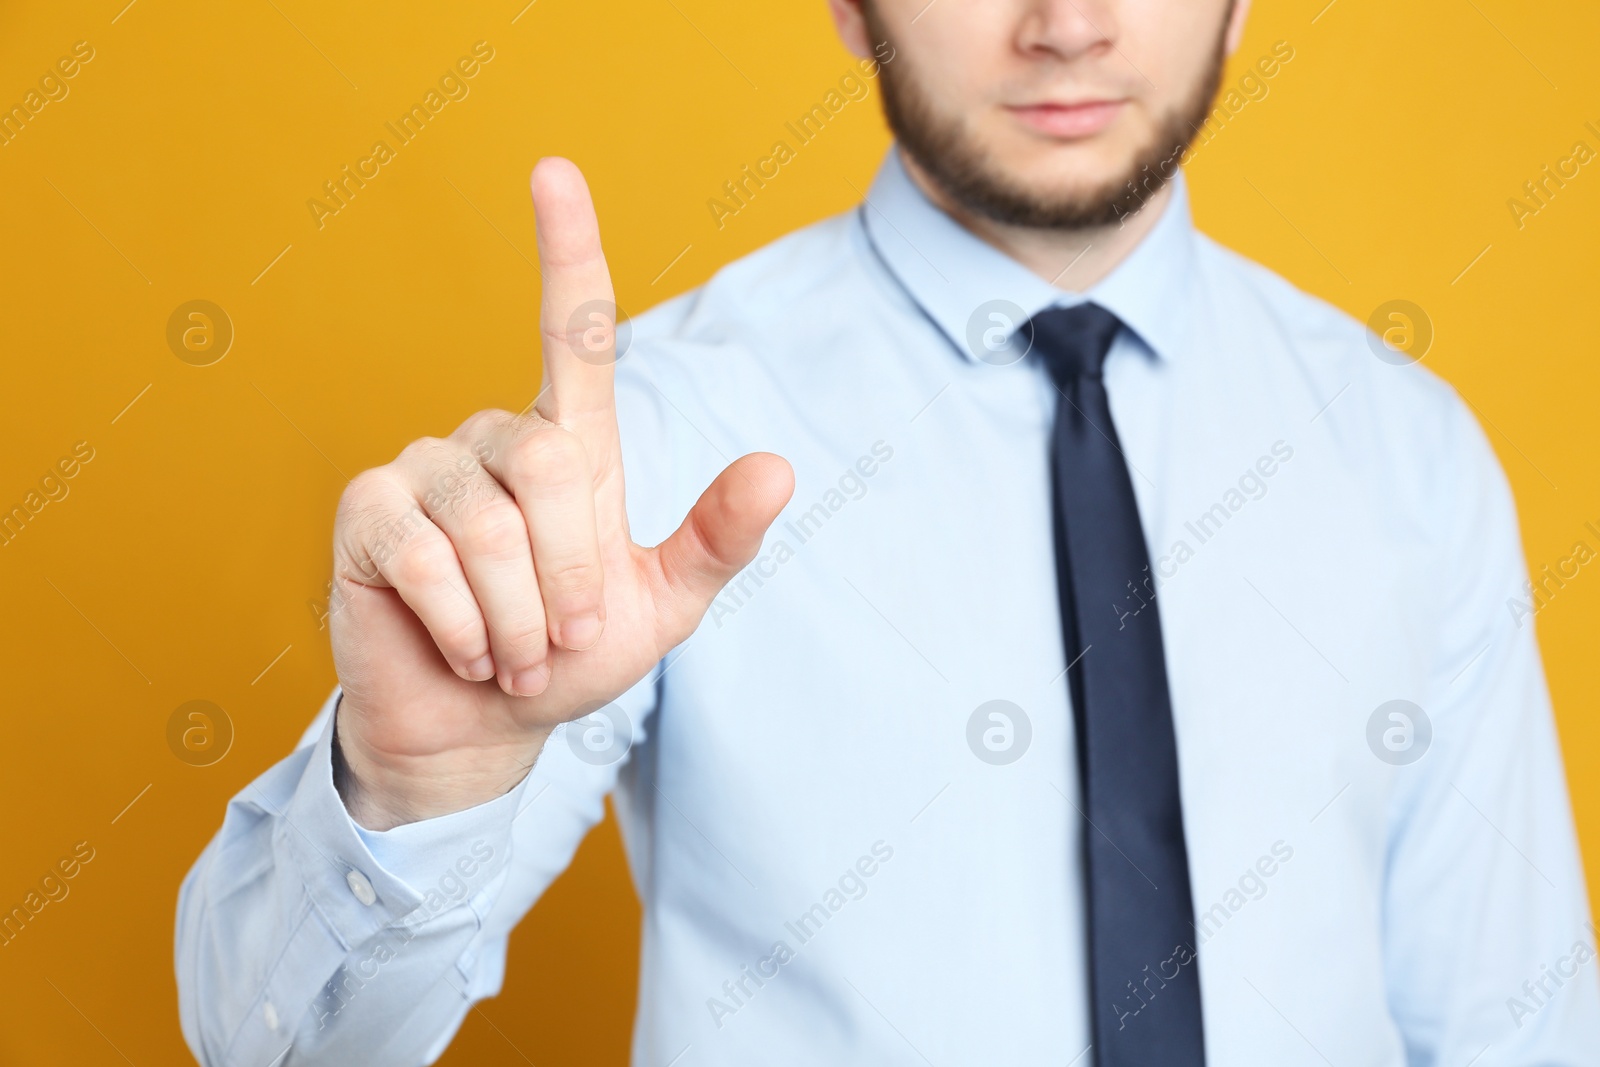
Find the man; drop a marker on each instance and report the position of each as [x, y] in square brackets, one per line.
[1114, 670]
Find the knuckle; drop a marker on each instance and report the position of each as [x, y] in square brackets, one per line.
[571, 575]
[480, 423]
[420, 446]
[559, 335]
[550, 456]
[425, 564]
[480, 433]
[495, 530]
[359, 495]
[369, 514]
[426, 452]
[462, 638]
[528, 638]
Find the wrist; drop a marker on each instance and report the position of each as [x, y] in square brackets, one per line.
[382, 791]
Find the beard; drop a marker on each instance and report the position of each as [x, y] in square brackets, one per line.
[945, 150]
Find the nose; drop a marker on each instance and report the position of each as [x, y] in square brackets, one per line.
[1067, 29]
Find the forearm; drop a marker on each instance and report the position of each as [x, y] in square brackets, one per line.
[293, 931]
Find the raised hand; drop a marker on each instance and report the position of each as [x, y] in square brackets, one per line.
[486, 588]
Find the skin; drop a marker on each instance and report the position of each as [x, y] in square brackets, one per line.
[486, 586]
[977, 63]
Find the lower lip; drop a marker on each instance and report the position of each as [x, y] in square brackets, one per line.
[1075, 121]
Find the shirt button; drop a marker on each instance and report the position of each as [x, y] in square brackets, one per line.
[361, 887]
[270, 1014]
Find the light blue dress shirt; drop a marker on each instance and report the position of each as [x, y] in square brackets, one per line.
[849, 800]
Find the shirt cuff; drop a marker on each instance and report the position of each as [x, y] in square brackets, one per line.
[364, 880]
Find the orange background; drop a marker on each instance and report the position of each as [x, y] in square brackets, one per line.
[192, 548]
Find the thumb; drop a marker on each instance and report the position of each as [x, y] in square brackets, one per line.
[721, 534]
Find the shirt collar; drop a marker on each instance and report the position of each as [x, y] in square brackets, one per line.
[958, 279]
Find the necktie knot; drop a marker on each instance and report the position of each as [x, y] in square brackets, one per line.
[1074, 341]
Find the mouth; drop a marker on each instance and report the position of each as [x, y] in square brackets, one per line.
[1068, 122]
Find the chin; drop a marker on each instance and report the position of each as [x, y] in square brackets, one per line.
[1062, 172]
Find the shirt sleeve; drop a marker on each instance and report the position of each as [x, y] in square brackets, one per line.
[1490, 949]
[303, 938]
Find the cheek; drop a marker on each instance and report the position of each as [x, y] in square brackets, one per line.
[957, 65]
[1178, 45]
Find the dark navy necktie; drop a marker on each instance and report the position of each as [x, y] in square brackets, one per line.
[1144, 982]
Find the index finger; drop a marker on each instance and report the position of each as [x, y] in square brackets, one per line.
[578, 311]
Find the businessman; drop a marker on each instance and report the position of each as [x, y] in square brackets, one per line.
[1097, 654]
